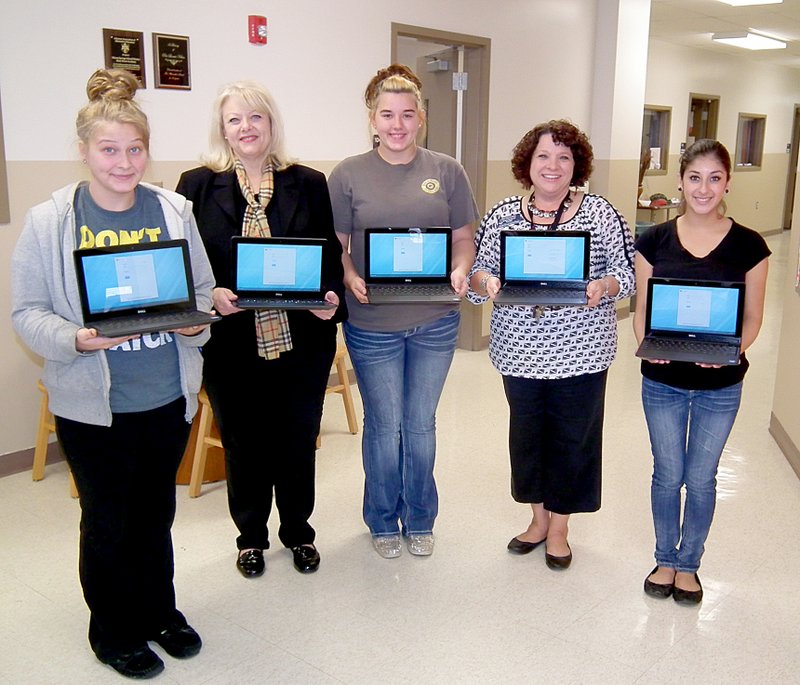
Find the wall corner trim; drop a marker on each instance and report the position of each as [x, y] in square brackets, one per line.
[789, 449]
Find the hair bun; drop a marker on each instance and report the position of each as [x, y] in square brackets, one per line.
[401, 70]
[111, 84]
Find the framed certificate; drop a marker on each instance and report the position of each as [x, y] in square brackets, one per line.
[125, 50]
[171, 61]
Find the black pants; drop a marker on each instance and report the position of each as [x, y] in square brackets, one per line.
[125, 474]
[268, 414]
[556, 441]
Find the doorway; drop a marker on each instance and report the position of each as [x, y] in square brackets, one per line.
[791, 176]
[703, 117]
[454, 70]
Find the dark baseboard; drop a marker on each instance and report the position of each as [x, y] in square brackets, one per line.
[17, 462]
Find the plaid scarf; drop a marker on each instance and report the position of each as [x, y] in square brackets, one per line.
[272, 325]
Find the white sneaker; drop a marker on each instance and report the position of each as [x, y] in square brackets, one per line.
[420, 545]
[388, 546]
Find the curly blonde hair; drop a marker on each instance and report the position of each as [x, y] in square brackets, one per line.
[110, 93]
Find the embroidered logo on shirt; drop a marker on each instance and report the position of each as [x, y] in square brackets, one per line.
[430, 186]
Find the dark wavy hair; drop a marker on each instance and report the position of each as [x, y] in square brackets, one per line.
[562, 132]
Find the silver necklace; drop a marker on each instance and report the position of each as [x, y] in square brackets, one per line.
[533, 210]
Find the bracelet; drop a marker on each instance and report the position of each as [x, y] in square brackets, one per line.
[483, 282]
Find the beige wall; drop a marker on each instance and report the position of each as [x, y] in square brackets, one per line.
[756, 198]
[324, 115]
[785, 419]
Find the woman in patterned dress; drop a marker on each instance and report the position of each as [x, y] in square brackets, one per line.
[554, 360]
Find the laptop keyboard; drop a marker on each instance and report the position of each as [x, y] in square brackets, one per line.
[408, 289]
[151, 322]
[281, 303]
[412, 293]
[694, 346]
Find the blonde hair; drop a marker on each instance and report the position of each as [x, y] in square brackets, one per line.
[110, 93]
[396, 78]
[220, 156]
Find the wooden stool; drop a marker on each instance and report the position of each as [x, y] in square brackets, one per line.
[343, 388]
[207, 437]
[46, 426]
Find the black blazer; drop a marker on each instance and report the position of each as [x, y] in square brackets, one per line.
[300, 207]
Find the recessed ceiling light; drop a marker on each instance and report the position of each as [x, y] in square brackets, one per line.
[746, 39]
[745, 3]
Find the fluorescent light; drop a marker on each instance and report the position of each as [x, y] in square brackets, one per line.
[746, 39]
[745, 3]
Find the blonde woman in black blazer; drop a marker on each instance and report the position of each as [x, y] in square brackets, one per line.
[268, 408]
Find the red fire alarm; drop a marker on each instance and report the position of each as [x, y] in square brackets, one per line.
[257, 29]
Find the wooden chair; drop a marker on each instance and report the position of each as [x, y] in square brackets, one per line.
[208, 436]
[46, 426]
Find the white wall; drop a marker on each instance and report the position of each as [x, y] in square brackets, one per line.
[743, 85]
[318, 60]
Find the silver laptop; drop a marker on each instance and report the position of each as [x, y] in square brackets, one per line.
[408, 265]
[693, 321]
[278, 273]
[546, 268]
[138, 288]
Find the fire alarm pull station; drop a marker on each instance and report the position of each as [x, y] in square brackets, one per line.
[257, 29]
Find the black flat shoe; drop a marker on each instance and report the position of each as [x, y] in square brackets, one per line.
[517, 546]
[179, 640]
[306, 558]
[688, 597]
[250, 563]
[558, 563]
[141, 663]
[660, 590]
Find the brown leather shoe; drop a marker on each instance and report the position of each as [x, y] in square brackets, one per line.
[558, 563]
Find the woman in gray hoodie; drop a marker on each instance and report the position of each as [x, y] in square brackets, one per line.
[122, 405]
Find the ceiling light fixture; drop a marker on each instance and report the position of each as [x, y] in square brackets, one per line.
[745, 3]
[749, 40]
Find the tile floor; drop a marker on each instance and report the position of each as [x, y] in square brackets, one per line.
[471, 613]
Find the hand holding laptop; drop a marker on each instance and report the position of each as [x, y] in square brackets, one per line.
[458, 281]
[89, 340]
[358, 286]
[325, 314]
[225, 301]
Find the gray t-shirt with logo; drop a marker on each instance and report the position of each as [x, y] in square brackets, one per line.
[144, 371]
[368, 192]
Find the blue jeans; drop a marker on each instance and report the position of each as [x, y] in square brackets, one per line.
[400, 377]
[688, 430]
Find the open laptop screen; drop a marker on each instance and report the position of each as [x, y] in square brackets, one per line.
[552, 257]
[272, 266]
[408, 254]
[695, 309]
[116, 281]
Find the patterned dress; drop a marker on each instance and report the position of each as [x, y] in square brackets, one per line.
[557, 342]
